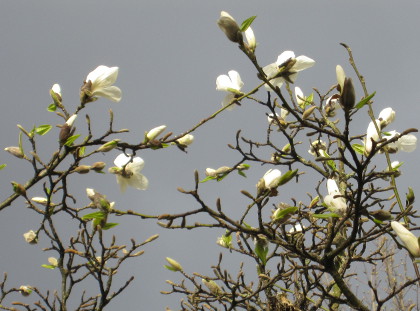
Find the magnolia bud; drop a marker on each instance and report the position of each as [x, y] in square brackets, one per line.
[15, 151]
[348, 95]
[25, 290]
[153, 133]
[186, 140]
[18, 188]
[212, 286]
[173, 265]
[82, 169]
[98, 166]
[381, 215]
[109, 145]
[229, 26]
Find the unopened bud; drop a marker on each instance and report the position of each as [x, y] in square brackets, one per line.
[229, 26]
[348, 95]
[381, 215]
[173, 265]
[109, 145]
[154, 133]
[186, 140]
[40, 200]
[98, 166]
[212, 286]
[15, 151]
[82, 169]
[25, 290]
[308, 112]
[18, 188]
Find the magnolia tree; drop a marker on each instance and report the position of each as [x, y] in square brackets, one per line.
[308, 251]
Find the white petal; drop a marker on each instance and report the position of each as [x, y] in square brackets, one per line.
[111, 92]
[138, 181]
[123, 182]
[223, 83]
[332, 186]
[283, 57]
[226, 101]
[121, 160]
[409, 239]
[250, 38]
[407, 143]
[303, 62]
[299, 96]
[236, 80]
[341, 76]
[136, 166]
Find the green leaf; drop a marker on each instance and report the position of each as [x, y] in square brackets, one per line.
[261, 249]
[43, 129]
[377, 221]
[331, 164]
[95, 215]
[324, 216]
[71, 140]
[20, 143]
[241, 173]
[52, 107]
[358, 148]
[285, 212]
[365, 100]
[208, 178]
[48, 267]
[246, 23]
[171, 268]
[2, 166]
[109, 225]
[82, 151]
[285, 178]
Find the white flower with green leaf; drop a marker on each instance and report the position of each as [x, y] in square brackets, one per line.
[410, 241]
[230, 83]
[286, 68]
[99, 83]
[128, 172]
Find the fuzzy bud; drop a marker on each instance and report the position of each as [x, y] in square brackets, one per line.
[15, 151]
[348, 95]
[229, 26]
[98, 166]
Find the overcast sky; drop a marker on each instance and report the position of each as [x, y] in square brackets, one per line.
[169, 54]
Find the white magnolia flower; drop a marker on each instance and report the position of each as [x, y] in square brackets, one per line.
[30, 237]
[186, 140]
[318, 148]
[296, 228]
[371, 134]
[155, 132]
[70, 121]
[331, 104]
[409, 239]
[56, 89]
[386, 116]
[282, 116]
[231, 84]
[132, 176]
[211, 172]
[273, 70]
[53, 261]
[102, 79]
[300, 98]
[407, 143]
[250, 38]
[271, 178]
[341, 76]
[334, 201]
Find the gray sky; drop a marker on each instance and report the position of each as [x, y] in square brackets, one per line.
[169, 54]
